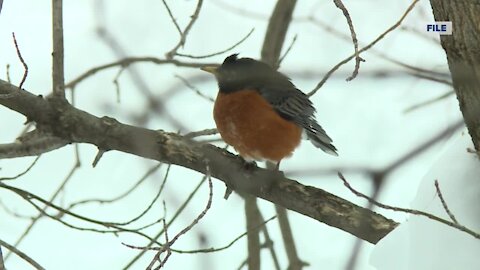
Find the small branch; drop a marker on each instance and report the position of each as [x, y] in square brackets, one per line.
[20, 254]
[205, 132]
[25, 66]
[184, 33]
[444, 204]
[371, 44]
[58, 76]
[22, 173]
[429, 102]
[194, 89]
[358, 59]
[220, 52]
[288, 50]
[409, 211]
[117, 84]
[125, 62]
[98, 157]
[171, 17]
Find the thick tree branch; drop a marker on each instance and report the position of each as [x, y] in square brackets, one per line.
[77, 126]
[463, 54]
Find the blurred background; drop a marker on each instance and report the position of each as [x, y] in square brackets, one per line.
[386, 142]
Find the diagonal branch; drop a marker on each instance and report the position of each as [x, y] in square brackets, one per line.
[78, 126]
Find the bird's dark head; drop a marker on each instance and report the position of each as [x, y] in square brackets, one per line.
[241, 73]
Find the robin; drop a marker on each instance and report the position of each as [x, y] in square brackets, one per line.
[261, 113]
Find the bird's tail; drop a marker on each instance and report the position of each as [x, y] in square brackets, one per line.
[317, 135]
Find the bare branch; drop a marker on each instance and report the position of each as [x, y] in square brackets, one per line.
[429, 102]
[444, 204]
[184, 34]
[22, 173]
[410, 211]
[194, 89]
[288, 50]
[20, 254]
[219, 52]
[193, 134]
[132, 60]
[171, 17]
[25, 66]
[358, 59]
[380, 37]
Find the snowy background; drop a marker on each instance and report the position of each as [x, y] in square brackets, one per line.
[366, 118]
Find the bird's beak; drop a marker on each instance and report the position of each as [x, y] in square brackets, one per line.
[210, 69]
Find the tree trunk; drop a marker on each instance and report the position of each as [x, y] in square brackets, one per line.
[463, 54]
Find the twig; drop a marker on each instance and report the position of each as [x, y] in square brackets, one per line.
[142, 179]
[444, 204]
[167, 245]
[194, 89]
[117, 84]
[22, 173]
[20, 254]
[219, 52]
[25, 66]
[184, 34]
[127, 61]
[358, 59]
[429, 102]
[288, 50]
[171, 17]
[431, 78]
[410, 211]
[67, 178]
[177, 214]
[98, 156]
[58, 76]
[371, 44]
[193, 134]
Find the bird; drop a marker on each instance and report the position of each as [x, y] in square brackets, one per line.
[261, 113]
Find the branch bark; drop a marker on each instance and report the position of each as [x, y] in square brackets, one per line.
[77, 126]
[463, 54]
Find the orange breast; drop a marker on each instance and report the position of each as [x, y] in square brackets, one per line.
[248, 123]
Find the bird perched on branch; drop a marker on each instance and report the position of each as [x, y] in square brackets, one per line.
[261, 113]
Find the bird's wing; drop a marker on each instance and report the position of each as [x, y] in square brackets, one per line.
[293, 105]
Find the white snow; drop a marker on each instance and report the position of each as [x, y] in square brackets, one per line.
[421, 243]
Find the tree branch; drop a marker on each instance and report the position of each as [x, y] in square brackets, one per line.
[78, 126]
